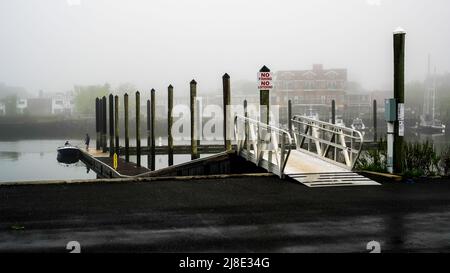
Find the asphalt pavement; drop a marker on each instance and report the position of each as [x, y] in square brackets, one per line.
[260, 214]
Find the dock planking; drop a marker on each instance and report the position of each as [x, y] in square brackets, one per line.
[123, 167]
[103, 165]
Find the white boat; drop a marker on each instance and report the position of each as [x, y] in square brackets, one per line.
[68, 154]
[358, 125]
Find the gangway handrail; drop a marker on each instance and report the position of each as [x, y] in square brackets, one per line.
[252, 146]
[314, 131]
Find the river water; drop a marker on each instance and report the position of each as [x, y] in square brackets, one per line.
[27, 160]
[36, 159]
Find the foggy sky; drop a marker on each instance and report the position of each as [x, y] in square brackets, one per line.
[54, 44]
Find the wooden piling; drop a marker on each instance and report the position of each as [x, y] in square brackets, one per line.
[116, 123]
[375, 125]
[104, 125]
[226, 110]
[169, 124]
[127, 136]
[138, 129]
[97, 124]
[333, 121]
[152, 129]
[148, 135]
[264, 101]
[193, 97]
[399, 95]
[290, 116]
[111, 125]
[247, 128]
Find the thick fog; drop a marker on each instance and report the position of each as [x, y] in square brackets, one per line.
[54, 44]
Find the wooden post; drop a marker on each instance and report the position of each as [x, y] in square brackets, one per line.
[169, 124]
[149, 159]
[127, 136]
[152, 128]
[247, 128]
[399, 95]
[333, 121]
[104, 125]
[193, 96]
[333, 112]
[111, 125]
[226, 105]
[97, 124]
[264, 101]
[375, 126]
[116, 122]
[138, 128]
[290, 116]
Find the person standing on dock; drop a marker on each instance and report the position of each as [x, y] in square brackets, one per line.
[86, 141]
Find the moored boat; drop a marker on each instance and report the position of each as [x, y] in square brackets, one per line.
[68, 154]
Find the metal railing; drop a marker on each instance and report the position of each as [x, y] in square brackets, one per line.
[337, 144]
[265, 145]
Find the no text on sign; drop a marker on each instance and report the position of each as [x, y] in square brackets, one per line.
[265, 80]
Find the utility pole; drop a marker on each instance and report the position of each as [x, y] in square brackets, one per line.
[399, 96]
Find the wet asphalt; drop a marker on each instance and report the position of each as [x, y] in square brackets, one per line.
[261, 214]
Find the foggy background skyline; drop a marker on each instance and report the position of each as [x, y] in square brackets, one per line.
[55, 44]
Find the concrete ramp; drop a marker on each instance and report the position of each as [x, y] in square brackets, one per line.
[316, 172]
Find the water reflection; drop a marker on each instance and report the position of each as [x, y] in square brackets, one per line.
[36, 160]
[13, 156]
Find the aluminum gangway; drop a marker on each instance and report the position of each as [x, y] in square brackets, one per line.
[310, 151]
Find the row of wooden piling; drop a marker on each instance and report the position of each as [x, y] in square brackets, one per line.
[114, 130]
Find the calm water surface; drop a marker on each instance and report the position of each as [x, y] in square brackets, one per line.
[36, 160]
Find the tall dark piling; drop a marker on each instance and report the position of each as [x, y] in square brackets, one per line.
[152, 129]
[125, 121]
[138, 129]
[193, 97]
[226, 110]
[116, 123]
[169, 124]
[111, 125]
[104, 125]
[149, 159]
[290, 116]
[97, 124]
[375, 125]
[399, 95]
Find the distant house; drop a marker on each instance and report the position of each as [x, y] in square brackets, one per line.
[62, 103]
[317, 86]
[39, 106]
[21, 105]
[2, 109]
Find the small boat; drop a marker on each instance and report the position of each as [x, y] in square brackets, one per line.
[68, 154]
[433, 126]
[338, 122]
[358, 125]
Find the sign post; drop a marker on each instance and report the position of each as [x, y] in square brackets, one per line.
[264, 85]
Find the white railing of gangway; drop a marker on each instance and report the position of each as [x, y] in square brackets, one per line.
[319, 137]
[265, 145]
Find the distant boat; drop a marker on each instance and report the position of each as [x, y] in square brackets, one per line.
[434, 126]
[358, 125]
[68, 154]
[338, 122]
[312, 115]
[429, 124]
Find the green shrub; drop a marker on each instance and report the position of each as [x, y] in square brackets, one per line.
[420, 159]
[373, 160]
[445, 161]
